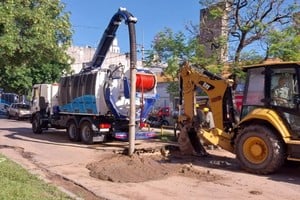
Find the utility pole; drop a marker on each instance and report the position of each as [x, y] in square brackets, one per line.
[143, 52]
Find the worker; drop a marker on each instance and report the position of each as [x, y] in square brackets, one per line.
[175, 115]
[209, 119]
[199, 114]
[280, 93]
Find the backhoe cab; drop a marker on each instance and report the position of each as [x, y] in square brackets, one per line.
[268, 130]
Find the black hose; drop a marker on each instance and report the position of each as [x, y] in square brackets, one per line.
[109, 35]
[132, 41]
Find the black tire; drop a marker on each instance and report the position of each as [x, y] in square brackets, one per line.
[73, 131]
[86, 132]
[36, 127]
[17, 116]
[259, 150]
[164, 123]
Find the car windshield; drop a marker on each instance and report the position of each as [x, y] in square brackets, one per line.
[23, 106]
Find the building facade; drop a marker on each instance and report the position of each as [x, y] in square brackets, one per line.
[81, 55]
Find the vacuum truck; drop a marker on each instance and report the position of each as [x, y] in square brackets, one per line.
[94, 104]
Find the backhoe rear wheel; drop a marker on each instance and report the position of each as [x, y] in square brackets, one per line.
[259, 150]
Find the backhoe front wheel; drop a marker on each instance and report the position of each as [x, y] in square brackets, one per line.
[259, 150]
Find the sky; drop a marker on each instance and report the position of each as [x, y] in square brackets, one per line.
[89, 19]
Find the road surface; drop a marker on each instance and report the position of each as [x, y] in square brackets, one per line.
[65, 164]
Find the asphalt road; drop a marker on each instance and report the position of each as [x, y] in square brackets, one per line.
[53, 157]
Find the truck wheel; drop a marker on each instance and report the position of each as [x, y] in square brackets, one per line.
[73, 131]
[259, 150]
[164, 123]
[36, 128]
[86, 132]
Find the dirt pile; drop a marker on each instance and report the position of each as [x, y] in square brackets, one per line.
[145, 167]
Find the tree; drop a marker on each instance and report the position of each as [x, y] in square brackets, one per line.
[34, 36]
[285, 44]
[249, 23]
[172, 48]
[252, 21]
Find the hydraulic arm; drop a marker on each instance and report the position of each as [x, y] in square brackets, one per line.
[218, 91]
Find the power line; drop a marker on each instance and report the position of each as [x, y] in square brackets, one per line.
[87, 27]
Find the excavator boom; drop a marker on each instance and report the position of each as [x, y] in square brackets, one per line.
[217, 89]
[219, 93]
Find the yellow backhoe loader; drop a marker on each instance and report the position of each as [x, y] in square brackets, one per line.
[265, 133]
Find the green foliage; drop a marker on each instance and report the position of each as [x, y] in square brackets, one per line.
[17, 183]
[172, 49]
[249, 22]
[215, 68]
[15, 79]
[285, 44]
[34, 36]
[216, 12]
[170, 45]
[173, 89]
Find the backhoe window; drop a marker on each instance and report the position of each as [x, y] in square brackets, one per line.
[283, 87]
[255, 87]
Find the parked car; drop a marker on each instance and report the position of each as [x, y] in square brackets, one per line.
[3, 108]
[18, 111]
[157, 121]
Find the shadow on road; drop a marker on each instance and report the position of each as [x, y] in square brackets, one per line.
[289, 173]
[218, 159]
[54, 137]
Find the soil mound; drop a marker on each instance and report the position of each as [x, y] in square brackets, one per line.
[145, 167]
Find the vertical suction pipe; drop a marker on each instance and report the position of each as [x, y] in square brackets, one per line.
[133, 59]
[100, 54]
